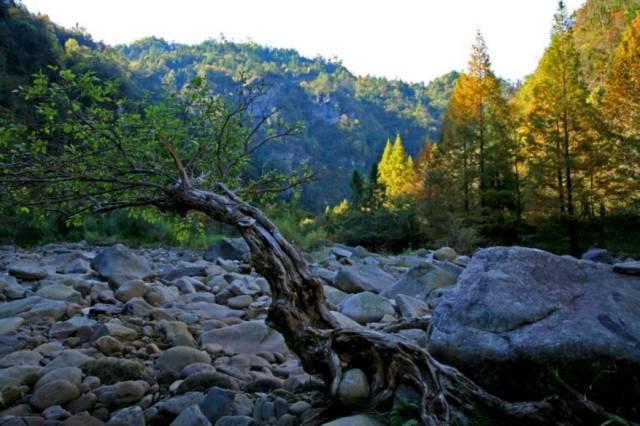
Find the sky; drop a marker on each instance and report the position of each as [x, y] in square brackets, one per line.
[414, 40]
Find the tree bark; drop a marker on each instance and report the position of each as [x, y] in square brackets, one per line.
[298, 311]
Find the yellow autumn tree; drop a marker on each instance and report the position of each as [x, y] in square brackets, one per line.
[621, 108]
[396, 170]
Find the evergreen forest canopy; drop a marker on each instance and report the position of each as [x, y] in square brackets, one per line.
[465, 160]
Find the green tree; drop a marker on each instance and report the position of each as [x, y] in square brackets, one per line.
[357, 188]
[562, 129]
[476, 136]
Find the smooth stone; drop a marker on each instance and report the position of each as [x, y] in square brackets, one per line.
[70, 358]
[131, 289]
[25, 357]
[299, 407]
[239, 302]
[236, 421]
[627, 268]
[172, 361]
[357, 420]
[425, 282]
[228, 249]
[246, 337]
[191, 416]
[19, 375]
[353, 387]
[217, 403]
[356, 279]
[129, 416]
[60, 292]
[119, 264]
[57, 392]
[27, 270]
[9, 325]
[176, 333]
[366, 307]
[445, 253]
[109, 345]
[112, 370]
[82, 420]
[72, 375]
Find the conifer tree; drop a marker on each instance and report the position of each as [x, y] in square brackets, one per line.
[622, 112]
[476, 138]
[562, 128]
[357, 188]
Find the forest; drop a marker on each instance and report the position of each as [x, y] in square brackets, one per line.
[492, 162]
[226, 233]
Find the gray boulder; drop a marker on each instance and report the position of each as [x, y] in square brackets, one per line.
[354, 387]
[631, 267]
[191, 416]
[425, 282]
[529, 312]
[228, 249]
[119, 264]
[246, 337]
[366, 307]
[27, 270]
[411, 307]
[218, 403]
[445, 253]
[357, 420]
[599, 255]
[356, 279]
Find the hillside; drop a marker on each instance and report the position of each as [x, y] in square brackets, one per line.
[346, 119]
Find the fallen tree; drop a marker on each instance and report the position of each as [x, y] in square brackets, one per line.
[89, 155]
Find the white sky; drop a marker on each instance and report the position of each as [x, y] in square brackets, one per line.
[415, 40]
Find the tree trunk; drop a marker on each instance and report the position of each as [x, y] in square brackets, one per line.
[298, 311]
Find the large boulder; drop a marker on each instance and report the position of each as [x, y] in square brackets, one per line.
[27, 270]
[246, 337]
[599, 255]
[366, 307]
[228, 249]
[356, 279]
[119, 264]
[426, 282]
[521, 315]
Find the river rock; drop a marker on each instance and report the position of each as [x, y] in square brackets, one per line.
[72, 375]
[228, 249]
[172, 361]
[130, 290]
[119, 264]
[356, 279]
[357, 420]
[445, 253]
[627, 268]
[191, 416]
[425, 282]
[366, 307]
[8, 325]
[111, 370]
[57, 392]
[529, 312]
[246, 337]
[27, 270]
[59, 292]
[354, 387]
[218, 403]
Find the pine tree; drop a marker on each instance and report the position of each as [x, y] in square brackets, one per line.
[622, 112]
[395, 170]
[476, 137]
[561, 129]
[357, 188]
